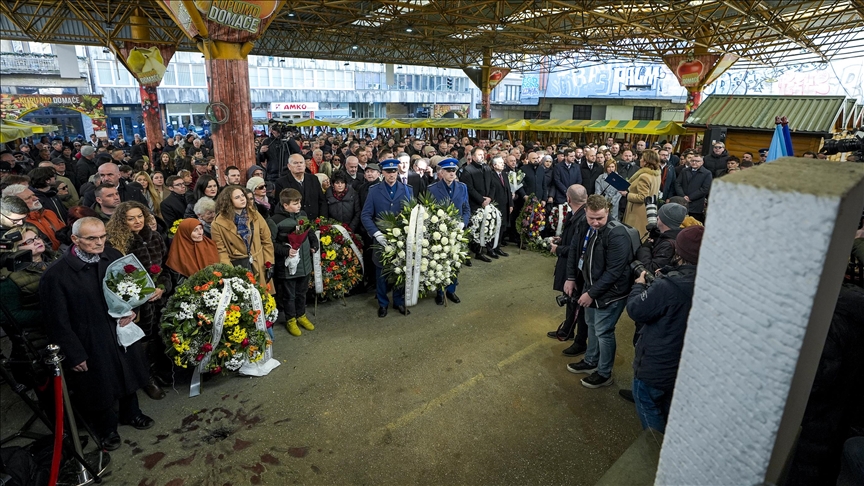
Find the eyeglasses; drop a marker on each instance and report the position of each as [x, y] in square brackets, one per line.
[93, 238]
[260, 187]
[15, 221]
[29, 241]
[178, 185]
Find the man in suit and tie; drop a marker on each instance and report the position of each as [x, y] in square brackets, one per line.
[314, 202]
[590, 170]
[667, 175]
[502, 197]
[478, 179]
[571, 239]
[409, 177]
[449, 190]
[385, 197]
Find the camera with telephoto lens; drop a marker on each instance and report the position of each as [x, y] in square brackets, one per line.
[13, 260]
[854, 144]
[564, 299]
[637, 268]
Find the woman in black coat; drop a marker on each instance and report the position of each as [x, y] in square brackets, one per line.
[343, 202]
[128, 232]
[99, 371]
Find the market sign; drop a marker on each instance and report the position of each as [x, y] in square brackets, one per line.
[312, 106]
[15, 106]
[225, 20]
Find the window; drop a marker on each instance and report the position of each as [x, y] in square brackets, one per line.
[581, 112]
[183, 77]
[103, 69]
[536, 115]
[512, 92]
[170, 77]
[199, 78]
[123, 77]
[644, 113]
[330, 79]
[318, 80]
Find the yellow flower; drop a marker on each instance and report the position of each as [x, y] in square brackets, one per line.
[269, 303]
[238, 334]
[326, 240]
[331, 254]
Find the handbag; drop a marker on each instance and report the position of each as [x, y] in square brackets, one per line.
[242, 262]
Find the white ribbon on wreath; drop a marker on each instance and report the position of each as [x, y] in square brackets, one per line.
[559, 228]
[414, 254]
[347, 237]
[490, 212]
[316, 265]
[261, 368]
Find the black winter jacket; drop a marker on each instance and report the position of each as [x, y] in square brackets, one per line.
[694, 185]
[286, 223]
[606, 265]
[346, 211]
[51, 202]
[535, 181]
[573, 231]
[662, 309]
[173, 207]
[658, 254]
[716, 163]
[479, 181]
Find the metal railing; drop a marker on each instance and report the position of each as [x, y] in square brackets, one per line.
[11, 63]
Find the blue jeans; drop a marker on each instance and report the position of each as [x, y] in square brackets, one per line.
[382, 287]
[652, 405]
[601, 336]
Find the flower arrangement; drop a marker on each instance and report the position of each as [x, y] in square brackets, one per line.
[443, 246]
[341, 263]
[218, 319]
[485, 224]
[515, 178]
[174, 227]
[556, 218]
[126, 285]
[531, 223]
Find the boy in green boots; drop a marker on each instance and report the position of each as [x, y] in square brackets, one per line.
[293, 242]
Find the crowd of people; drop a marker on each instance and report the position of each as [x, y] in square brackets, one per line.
[77, 206]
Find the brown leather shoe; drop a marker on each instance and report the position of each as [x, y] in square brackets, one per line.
[153, 390]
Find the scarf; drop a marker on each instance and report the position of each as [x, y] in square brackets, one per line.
[84, 256]
[187, 257]
[242, 222]
[340, 195]
[263, 202]
[206, 227]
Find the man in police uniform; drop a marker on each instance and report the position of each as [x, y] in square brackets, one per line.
[445, 191]
[385, 197]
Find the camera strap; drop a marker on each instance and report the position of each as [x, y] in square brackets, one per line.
[565, 327]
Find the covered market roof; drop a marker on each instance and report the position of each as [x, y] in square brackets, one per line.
[521, 34]
[816, 114]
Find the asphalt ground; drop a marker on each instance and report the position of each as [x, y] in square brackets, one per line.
[472, 393]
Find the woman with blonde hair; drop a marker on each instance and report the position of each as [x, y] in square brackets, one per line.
[128, 232]
[242, 235]
[151, 193]
[607, 190]
[644, 183]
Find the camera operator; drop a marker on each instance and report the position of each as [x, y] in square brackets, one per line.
[275, 150]
[13, 212]
[663, 309]
[574, 231]
[659, 248]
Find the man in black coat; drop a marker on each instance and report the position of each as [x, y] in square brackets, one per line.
[109, 173]
[659, 248]
[85, 167]
[274, 153]
[99, 372]
[535, 178]
[518, 197]
[173, 207]
[572, 234]
[694, 184]
[314, 201]
[477, 176]
[502, 197]
[590, 170]
[564, 175]
[663, 309]
[409, 177]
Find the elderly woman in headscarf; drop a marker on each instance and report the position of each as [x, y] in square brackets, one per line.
[191, 250]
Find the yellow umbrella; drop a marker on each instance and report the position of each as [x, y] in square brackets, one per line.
[34, 126]
[10, 132]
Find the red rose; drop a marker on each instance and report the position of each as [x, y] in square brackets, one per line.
[269, 324]
[155, 269]
[199, 357]
[207, 347]
[216, 370]
[268, 265]
[325, 228]
[129, 268]
[245, 343]
[317, 220]
[301, 222]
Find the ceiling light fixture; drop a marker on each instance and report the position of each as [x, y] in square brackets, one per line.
[355, 47]
[106, 50]
[409, 29]
[347, 63]
[499, 27]
[398, 67]
[291, 14]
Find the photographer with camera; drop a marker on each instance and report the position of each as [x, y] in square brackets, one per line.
[659, 248]
[13, 213]
[663, 309]
[574, 231]
[275, 150]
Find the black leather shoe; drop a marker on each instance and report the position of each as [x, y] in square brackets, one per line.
[439, 299]
[468, 263]
[493, 254]
[554, 335]
[140, 422]
[403, 310]
[453, 297]
[111, 442]
[153, 390]
[501, 252]
[574, 350]
[483, 258]
[503, 242]
[382, 312]
[627, 395]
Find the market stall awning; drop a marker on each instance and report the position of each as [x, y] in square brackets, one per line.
[513, 124]
[10, 132]
[814, 114]
[644, 127]
[33, 126]
[573, 126]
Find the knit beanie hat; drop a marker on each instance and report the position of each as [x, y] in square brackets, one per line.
[688, 242]
[252, 169]
[254, 182]
[87, 150]
[672, 214]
